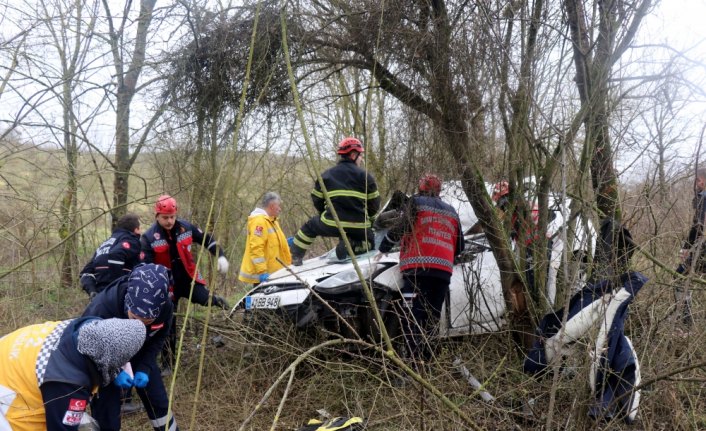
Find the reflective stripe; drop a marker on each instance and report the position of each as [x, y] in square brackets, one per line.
[258, 260]
[304, 237]
[427, 208]
[161, 422]
[300, 244]
[347, 193]
[417, 260]
[250, 276]
[88, 275]
[212, 244]
[116, 262]
[351, 224]
[271, 230]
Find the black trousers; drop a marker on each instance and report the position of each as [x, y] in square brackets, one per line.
[315, 227]
[106, 406]
[423, 297]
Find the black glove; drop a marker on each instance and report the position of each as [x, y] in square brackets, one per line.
[218, 301]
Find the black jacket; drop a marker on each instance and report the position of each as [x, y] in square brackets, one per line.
[113, 259]
[111, 303]
[353, 192]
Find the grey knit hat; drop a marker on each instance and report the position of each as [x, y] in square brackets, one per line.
[110, 343]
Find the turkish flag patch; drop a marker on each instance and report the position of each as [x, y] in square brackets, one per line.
[77, 405]
[126, 245]
[258, 230]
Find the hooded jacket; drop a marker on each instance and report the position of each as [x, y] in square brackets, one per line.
[112, 259]
[47, 352]
[265, 243]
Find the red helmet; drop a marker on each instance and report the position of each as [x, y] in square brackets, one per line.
[349, 144]
[499, 190]
[430, 184]
[165, 205]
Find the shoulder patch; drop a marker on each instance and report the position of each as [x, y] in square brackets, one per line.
[126, 245]
[77, 404]
[258, 230]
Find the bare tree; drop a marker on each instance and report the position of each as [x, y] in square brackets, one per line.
[128, 67]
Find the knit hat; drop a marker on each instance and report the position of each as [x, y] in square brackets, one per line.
[110, 343]
[147, 290]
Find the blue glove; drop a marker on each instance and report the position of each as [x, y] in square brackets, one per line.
[141, 379]
[290, 241]
[264, 277]
[123, 380]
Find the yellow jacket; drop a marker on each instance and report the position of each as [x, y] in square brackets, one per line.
[265, 243]
[21, 402]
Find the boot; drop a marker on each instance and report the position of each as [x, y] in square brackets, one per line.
[297, 254]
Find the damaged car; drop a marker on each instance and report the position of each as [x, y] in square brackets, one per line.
[327, 292]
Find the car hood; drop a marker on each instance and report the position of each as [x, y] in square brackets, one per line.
[314, 270]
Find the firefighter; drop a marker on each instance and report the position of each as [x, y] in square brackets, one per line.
[355, 198]
[168, 242]
[430, 238]
[50, 371]
[115, 257]
[266, 242]
[143, 295]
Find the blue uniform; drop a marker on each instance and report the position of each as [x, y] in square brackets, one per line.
[106, 407]
[113, 259]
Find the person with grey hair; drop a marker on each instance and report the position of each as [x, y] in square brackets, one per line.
[266, 249]
[49, 371]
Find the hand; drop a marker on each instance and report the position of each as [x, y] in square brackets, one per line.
[141, 379]
[290, 241]
[264, 277]
[219, 301]
[378, 256]
[222, 265]
[123, 380]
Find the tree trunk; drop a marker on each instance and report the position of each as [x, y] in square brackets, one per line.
[127, 85]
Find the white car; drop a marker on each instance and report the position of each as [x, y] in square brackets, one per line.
[325, 290]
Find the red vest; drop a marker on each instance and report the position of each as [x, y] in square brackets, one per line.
[432, 241]
[184, 239]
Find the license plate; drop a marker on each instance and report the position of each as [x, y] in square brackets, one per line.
[270, 302]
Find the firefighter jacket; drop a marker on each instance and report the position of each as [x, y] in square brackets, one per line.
[112, 259]
[173, 249]
[265, 243]
[111, 303]
[353, 193]
[615, 372]
[431, 236]
[32, 356]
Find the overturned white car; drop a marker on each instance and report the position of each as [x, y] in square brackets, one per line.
[324, 287]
